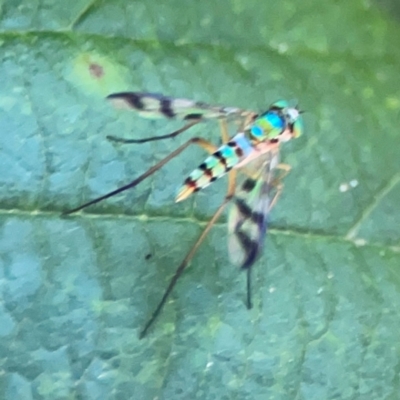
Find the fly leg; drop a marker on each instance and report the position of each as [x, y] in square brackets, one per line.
[153, 138]
[209, 147]
[191, 253]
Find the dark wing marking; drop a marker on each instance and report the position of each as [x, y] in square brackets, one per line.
[248, 218]
[155, 105]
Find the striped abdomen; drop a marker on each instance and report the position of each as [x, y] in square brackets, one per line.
[216, 165]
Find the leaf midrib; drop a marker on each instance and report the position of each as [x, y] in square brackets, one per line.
[298, 233]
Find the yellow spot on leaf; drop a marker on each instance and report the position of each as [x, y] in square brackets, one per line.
[94, 73]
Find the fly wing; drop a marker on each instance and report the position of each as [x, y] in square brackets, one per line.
[154, 105]
[247, 223]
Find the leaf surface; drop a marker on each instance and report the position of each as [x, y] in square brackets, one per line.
[76, 291]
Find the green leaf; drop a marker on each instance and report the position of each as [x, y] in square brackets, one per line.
[76, 291]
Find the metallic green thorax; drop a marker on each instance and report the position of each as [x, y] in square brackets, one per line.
[278, 119]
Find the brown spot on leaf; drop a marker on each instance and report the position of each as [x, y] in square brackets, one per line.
[96, 70]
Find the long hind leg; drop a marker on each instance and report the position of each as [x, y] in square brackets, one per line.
[191, 253]
[209, 147]
[153, 138]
